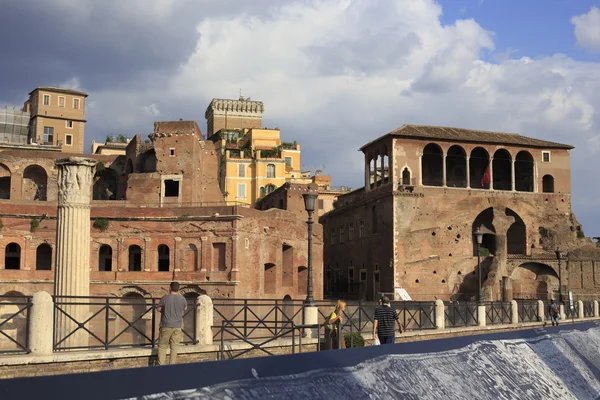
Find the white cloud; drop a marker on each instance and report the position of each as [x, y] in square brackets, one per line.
[336, 74]
[587, 29]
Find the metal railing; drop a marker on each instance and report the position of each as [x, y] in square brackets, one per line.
[588, 309]
[528, 311]
[104, 322]
[572, 313]
[498, 313]
[457, 314]
[255, 319]
[14, 324]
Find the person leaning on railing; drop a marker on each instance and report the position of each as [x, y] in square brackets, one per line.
[171, 307]
[333, 327]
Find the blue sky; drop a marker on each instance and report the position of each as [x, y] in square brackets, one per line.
[333, 74]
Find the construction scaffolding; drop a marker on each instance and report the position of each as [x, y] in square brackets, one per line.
[14, 126]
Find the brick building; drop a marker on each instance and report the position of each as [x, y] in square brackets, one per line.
[158, 214]
[427, 189]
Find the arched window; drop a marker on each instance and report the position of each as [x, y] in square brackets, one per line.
[405, 176]
[12, 256]
[35, 182]
[524, 172]
[105, 258]
[432, 165]
[270, 188]
[105, 187]
[4, 182]
[456, 167]
[386, 168]
[147, 162]
[479, 162]
[43, 257]
[548, 184]
[135, 258]
[516, 236]
[262, 191]
[270, 170]
[502, 170]
[163, 258]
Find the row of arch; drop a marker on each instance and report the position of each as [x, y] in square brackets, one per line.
[33, 186]
[378, 168]
[43, 257]
[479, 170]
[265, 190]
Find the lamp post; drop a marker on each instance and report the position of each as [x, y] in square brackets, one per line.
[559, 257]
[309, 205]
[479, 236]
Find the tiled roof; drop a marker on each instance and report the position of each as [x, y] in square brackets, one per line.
[59, 90]
[470, 135]
[175, 127]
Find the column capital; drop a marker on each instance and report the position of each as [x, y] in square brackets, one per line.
[74, 181]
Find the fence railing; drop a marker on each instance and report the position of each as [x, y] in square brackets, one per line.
[498, 313]
[460, 314]
[14, 324]
[105, 322]
[588, 309]
[528, 311]
[572, 313]
[255, 319]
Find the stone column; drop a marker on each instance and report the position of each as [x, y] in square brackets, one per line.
[481, 315]
[492, 173]
[596, 309]
[512, 176]
[72, 269]
[420, 181]
[440, 316]
[468, 173]
[444, 170]
[515, 312]
[204, 320]
[40, 328]
[581, 313]
[311, 317]
[541, 313]
[561, 311]
[367, 172]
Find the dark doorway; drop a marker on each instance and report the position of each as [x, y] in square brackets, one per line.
[105, 258]
[548, 184]
[135, 258]
[12, 256]
[524, 172]
[456, 167]
[43, 257]
[502, 170]
[478, 164]
[516, 236]
[432, 165]
[163, 258]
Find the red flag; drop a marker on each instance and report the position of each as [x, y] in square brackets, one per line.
[486, 177]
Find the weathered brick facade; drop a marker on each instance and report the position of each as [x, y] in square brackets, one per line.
[159, 216]
[412, 224]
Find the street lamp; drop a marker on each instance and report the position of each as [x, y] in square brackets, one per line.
[559, 257]
[479, 236]
[309, 205]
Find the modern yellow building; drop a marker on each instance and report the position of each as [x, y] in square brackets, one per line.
[57, 118]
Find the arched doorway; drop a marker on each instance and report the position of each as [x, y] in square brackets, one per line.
[35, 182]
[4, 182]
[479, 161]
[43, 257]
[524, 172]
[163, 258]
[456, 167]
[147, 162]
[502, 170]
[12, 256]
[135, 258]
[105, 187]
[516, 236]
[534, 281]
[548, 184]
[484, 222]
[432, 164]
[105, 258]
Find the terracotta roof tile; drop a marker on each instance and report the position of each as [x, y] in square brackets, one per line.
[470, 135]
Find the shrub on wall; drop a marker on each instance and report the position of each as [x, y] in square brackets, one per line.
[34, 224]
[101, 223]
[354, 340]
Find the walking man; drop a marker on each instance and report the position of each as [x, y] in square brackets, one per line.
[171, 308]
[553, 311]
[383, 323]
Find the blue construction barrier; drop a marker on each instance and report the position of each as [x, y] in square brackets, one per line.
[546, 363]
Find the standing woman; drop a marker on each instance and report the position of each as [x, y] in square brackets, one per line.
[333, 327]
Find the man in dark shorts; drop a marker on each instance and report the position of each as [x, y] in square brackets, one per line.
[383, 323]
[171, 308]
